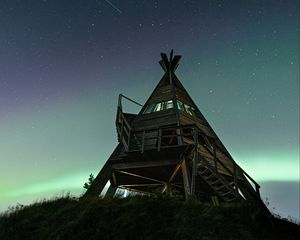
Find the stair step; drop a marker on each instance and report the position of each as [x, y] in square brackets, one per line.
[226, 193]
[230, 199]
[204, 171]
[217, 181]
[223, 186]
[216, 184]
[209, 177]
[201, 166]
[210, 181]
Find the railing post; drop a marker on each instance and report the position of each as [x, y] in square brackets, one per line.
[120, 101]
[235, 179]
[128, 139]
[122, 126]
[143, 142]
[194, 168]
[215, 157]
[159, 139]
[257, 190]
[179, 135]
[186, 178]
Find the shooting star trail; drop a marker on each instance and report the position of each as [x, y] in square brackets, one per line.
[113, 6]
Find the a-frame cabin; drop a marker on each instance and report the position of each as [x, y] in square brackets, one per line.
[169, 147]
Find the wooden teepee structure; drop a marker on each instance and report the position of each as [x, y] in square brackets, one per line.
[169, 147]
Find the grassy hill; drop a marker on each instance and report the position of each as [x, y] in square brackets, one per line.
[140, 218]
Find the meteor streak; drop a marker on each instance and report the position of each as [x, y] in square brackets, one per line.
[113, 6]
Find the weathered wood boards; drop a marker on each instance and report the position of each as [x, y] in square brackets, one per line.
[170, 148]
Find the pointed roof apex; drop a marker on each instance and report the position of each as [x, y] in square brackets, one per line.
[169, 65]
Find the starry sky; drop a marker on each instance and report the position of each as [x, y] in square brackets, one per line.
[63, 64]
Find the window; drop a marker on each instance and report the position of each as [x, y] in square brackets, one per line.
[160, 106]
[149, 108]
[180, 106]
[169, 104]
[186, 108]
[156, 107]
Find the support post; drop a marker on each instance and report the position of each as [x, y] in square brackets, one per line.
[194, 168]
[186, 178]
[215, 200]
[122, 128]
[179, 134]
[235, 180]
[111, 191]
[257, 190]
[167, 189]
[100, 181]
[129, 136]
[159, 139]
[143, 142]
[215, 157]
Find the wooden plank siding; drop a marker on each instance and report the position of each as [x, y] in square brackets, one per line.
[161, 94]
[182, 96]
[186, 119]
[154, 120]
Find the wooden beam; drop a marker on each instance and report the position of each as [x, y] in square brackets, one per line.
[175, 172]
[134, 190]
[186, 178]
[215, 200]
[113, 175]
[144, 164]
[141, 185]
[215, 157]
[140, 176]
[111, 191]
[195, 159]
[100, 181]
[159, 139]
[235, 180]
[104, 175]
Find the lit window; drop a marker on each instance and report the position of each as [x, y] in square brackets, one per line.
[168, 104]
[184, 107]
[149, 108]
[188, 109]
[180, 106]
[158, 107]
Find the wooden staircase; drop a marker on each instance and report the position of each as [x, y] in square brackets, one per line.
[235, 185]
[224, 189]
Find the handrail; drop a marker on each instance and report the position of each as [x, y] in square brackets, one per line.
[211, 169]
[222, 164]
[159, 137]
[129, 99]
[121, 120]
[248, 176]
[125, 126]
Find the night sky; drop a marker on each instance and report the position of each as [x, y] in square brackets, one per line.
[63, 64]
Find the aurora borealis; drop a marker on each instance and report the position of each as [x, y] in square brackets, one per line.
[63, 64]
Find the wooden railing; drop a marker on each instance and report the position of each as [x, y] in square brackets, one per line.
[174, 136]
[123, 127]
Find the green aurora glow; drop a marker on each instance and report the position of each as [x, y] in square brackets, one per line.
[59, 85]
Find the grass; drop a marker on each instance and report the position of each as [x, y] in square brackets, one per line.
[141, 218]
